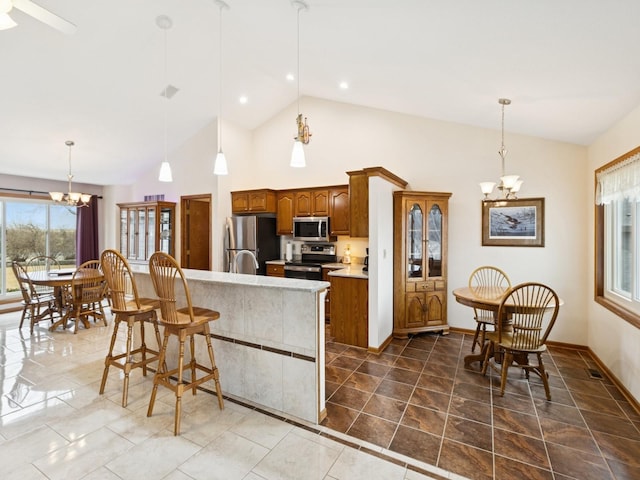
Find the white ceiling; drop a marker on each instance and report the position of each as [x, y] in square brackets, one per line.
[571, 68]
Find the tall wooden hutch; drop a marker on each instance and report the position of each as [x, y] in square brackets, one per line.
[420, 262]
[147, 227]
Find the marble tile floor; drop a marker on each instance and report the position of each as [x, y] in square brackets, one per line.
[417, 399]
[55, 425]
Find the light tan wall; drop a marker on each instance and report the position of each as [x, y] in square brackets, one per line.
[614, 340]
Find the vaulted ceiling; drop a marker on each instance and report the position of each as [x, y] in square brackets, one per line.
[571, 68]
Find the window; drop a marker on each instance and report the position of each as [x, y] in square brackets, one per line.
[29, 228]
[617, 222]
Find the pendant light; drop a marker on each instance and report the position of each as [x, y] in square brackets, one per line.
[297, 154]
[509, 184]
[165, 24]
[220, 165]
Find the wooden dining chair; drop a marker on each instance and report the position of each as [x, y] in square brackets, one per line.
[88, 290]
[531, 310]
[486, 281]
[36, 306]
[43, 263]
[130, 309]
[180, 319]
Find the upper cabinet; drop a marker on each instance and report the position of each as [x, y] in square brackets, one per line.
[420, 262]
[339, 210]
[284, 220]
[311, 203]
[253, 201]
[145, 228]
[359, 197]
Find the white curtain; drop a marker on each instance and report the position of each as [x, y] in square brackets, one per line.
[619, 181]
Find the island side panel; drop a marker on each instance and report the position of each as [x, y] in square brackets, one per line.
[268, 342]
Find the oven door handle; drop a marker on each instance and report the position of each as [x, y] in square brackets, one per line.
[302, 268]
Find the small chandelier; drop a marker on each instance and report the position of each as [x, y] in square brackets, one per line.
[303, 136]
[73, 199]
[509, 184]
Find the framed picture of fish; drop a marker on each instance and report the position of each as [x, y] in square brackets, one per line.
[515, 222]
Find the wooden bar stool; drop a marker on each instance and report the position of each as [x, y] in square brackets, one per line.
[182, 322]
[128, 308]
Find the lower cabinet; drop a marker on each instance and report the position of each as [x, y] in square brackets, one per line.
[349, 310]
[327, 298]
[275, 270]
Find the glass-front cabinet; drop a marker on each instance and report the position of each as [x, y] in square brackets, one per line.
[420, 259]
[146, 227]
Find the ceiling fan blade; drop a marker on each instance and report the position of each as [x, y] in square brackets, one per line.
[45, 16]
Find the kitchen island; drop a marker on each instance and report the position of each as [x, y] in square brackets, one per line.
[269, 340]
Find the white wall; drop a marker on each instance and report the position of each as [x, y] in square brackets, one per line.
[614, 340]
[380, 260]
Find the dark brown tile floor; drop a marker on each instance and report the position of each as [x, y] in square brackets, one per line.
[417, 399]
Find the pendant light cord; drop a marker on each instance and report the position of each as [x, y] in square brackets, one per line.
[166, 96]
[298, 56]
[220, 82]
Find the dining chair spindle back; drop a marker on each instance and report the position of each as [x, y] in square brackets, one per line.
[486, 281]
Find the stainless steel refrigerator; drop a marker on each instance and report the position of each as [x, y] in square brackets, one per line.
[253, 234]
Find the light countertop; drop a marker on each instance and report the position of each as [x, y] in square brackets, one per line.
[350, 271]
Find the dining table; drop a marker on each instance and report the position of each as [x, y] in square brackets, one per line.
[60, 280]
[486, 298]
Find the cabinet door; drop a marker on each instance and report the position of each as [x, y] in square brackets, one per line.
[141, 233]
[258, 202]
[434, 240]
[151, 245]
[302, 204]
[124, 231]
[239, 202]
[320, 203]
[284, 218]
[339, 211]
[415, 310]
[415, 237]
[166, 234]
[435, 308]
[133, 233]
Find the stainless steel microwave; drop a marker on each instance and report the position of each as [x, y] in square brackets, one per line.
[312, 229]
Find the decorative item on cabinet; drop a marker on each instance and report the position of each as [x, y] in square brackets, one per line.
[420, 262]
[359, 197]
[253, 201]
[146, 227]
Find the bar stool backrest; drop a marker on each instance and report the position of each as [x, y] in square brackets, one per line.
[122, 285]
[166, 275]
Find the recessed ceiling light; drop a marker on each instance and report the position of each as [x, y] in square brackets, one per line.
[290, 77]
[243, 99]
[344, 85]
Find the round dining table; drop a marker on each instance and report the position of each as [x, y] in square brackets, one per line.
[59, 280]
[485, 298]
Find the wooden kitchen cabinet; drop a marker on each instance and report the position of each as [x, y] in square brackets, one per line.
[339, 210]
[145, 228]
[284, 217]
[349, 310]
[327, 298]
[420, 262]
[359, 197]
[275, 270]
[253, 201]
[311, 203]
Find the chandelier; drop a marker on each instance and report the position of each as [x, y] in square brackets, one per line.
[509, 184]
[297, 154]
[73, 199]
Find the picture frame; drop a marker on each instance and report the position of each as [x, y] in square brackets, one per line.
[515, 222]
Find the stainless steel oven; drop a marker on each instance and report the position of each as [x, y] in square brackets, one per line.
[314, 255]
